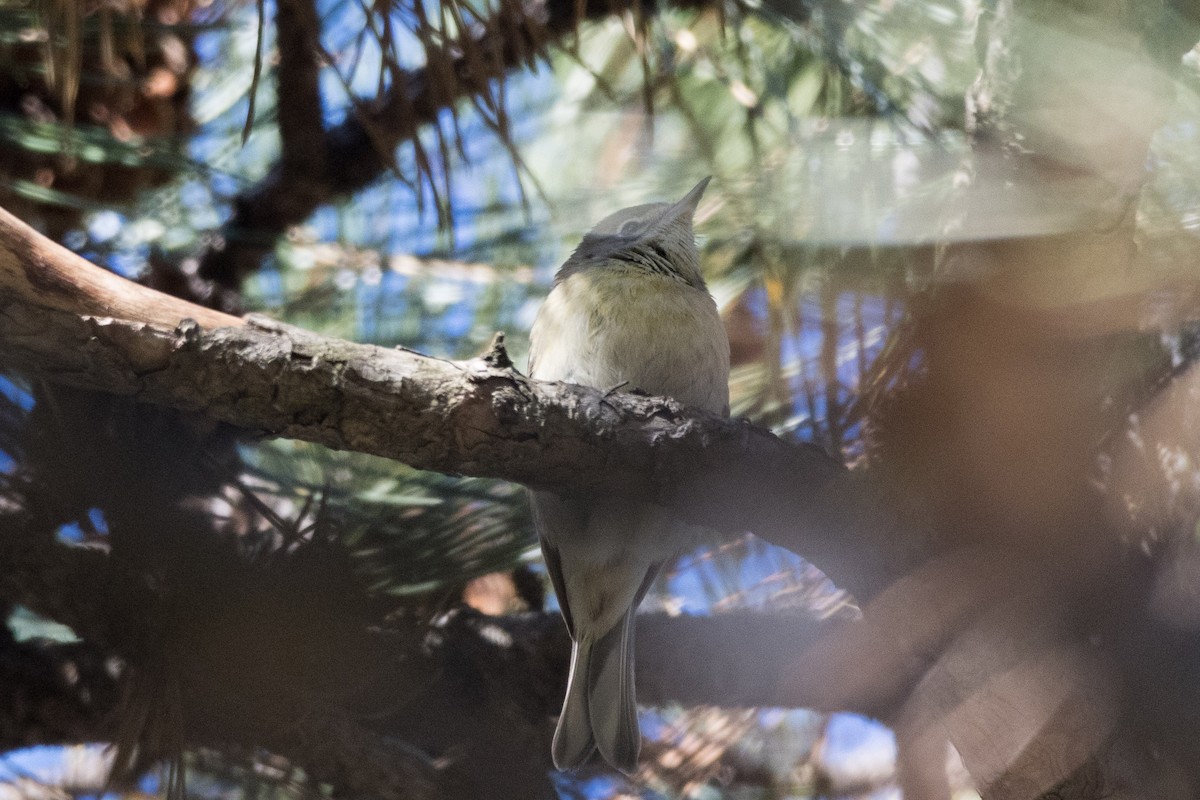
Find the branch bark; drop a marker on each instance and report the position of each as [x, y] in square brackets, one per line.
[479, 417]
[47, 274]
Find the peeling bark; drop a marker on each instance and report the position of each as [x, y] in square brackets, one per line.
[471, 418]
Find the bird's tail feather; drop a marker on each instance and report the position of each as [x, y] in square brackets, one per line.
[611, 698]
[600, 709]
[573, 742]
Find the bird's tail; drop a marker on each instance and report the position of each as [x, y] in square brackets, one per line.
[573, 741]
[600, 710]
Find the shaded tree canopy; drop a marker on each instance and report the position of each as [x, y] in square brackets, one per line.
[953, 244]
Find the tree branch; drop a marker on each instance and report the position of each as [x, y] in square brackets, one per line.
[47, 274]
[472, 418]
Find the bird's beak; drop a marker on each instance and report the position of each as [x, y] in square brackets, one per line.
[687, 206]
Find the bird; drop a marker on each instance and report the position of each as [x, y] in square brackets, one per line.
[629, 310]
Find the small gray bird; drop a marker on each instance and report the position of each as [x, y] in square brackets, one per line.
[629, 309]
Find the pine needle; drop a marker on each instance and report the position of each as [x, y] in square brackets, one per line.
[257, 76]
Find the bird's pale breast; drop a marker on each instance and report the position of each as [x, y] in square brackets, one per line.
[607, 328]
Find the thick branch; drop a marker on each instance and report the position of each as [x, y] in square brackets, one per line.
[733, 659]
[473, 418]
[47, 274]
[467, 418]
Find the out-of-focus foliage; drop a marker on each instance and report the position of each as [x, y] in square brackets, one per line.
[411, 533]
[768, 103]
[93, 103]
[835, 135]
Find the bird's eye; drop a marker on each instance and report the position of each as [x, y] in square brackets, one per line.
[630, 227]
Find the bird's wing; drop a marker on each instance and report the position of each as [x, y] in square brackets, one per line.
[647, 582]
[554, 567]
[542, 510]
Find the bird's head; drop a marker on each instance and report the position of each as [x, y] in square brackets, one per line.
[637, 222]
[656, 237]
